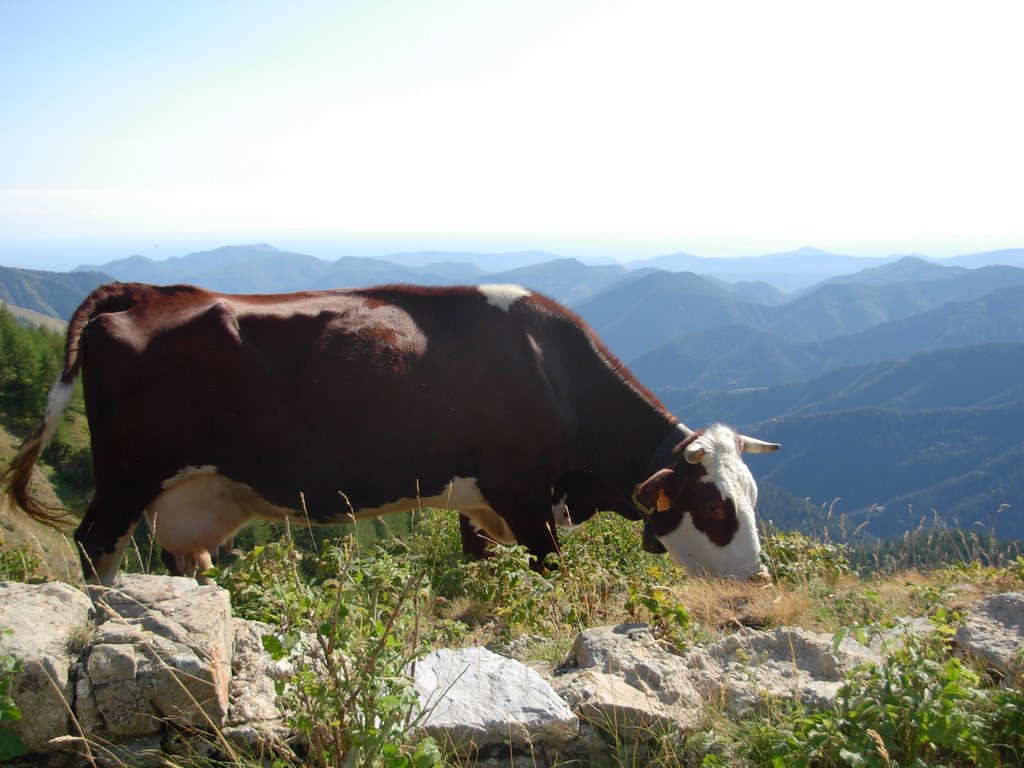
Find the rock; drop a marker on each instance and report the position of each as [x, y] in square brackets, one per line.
[473, 699]
[993, 631]
[41, 624]
[740, 670]
[163, 655]
[254, 718]
[629, 684]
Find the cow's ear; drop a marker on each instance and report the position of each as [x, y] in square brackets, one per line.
[657, 491]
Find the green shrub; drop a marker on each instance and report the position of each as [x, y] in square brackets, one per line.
[11, 745]
[920, 708]
[795, 557]
[669, 619]
[350, 632]
[517, 595]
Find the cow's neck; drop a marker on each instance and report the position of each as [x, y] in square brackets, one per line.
[626, 439]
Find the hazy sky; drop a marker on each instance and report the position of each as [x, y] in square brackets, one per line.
[589, 126]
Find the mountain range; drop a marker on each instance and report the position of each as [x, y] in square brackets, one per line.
[895, 385]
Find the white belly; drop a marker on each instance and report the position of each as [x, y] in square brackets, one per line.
[200, 508]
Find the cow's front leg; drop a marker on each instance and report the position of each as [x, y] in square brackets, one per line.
[533, 526]
[475, 542]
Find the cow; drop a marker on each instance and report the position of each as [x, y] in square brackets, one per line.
[207, 410]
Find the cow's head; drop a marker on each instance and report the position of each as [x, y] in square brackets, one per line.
[701, 507]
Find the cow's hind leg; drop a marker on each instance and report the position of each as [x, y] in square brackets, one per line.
[102, 538]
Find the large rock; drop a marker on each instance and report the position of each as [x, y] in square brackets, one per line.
[163, 656]
[993, 631]
[44, 626]
[474, 699]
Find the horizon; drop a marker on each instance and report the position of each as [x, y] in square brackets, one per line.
[589, 128]
[48, 256]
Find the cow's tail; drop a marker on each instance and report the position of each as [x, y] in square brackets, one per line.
[14, 481]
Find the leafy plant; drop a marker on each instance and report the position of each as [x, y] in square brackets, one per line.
[11, 745]
[795, 557]
[350, 633]
[516, 593]
[920, 707]
[669, 618]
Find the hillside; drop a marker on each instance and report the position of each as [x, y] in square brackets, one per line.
[835, 309]
[739, 356]
[55, 294]
[994, 376]
[938, 431]
[787, 271]
[660, 668]
[639, 315]
[873, 456]
[18, 531]
[30, 317]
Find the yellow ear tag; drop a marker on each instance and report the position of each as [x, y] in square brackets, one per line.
[663, 504]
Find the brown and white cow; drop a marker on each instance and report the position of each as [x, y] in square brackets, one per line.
[207, 410]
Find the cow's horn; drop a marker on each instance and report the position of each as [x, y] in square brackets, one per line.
[693, 453]
[753, 445]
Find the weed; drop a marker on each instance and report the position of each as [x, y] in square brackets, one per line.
[20, 563]
[669, 619]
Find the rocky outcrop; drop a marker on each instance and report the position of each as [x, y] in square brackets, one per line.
[165, 662]
[624, 681]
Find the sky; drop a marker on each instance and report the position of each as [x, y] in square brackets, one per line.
[581, 127]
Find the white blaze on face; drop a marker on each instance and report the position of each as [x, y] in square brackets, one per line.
[503, 296]
[723, 465]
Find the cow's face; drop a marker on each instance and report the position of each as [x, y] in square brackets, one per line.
[703, 505]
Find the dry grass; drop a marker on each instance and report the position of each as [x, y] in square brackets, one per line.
[55, 548]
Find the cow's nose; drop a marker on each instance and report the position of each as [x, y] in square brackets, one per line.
[762, 579]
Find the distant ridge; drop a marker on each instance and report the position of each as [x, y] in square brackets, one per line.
[1011, 257]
